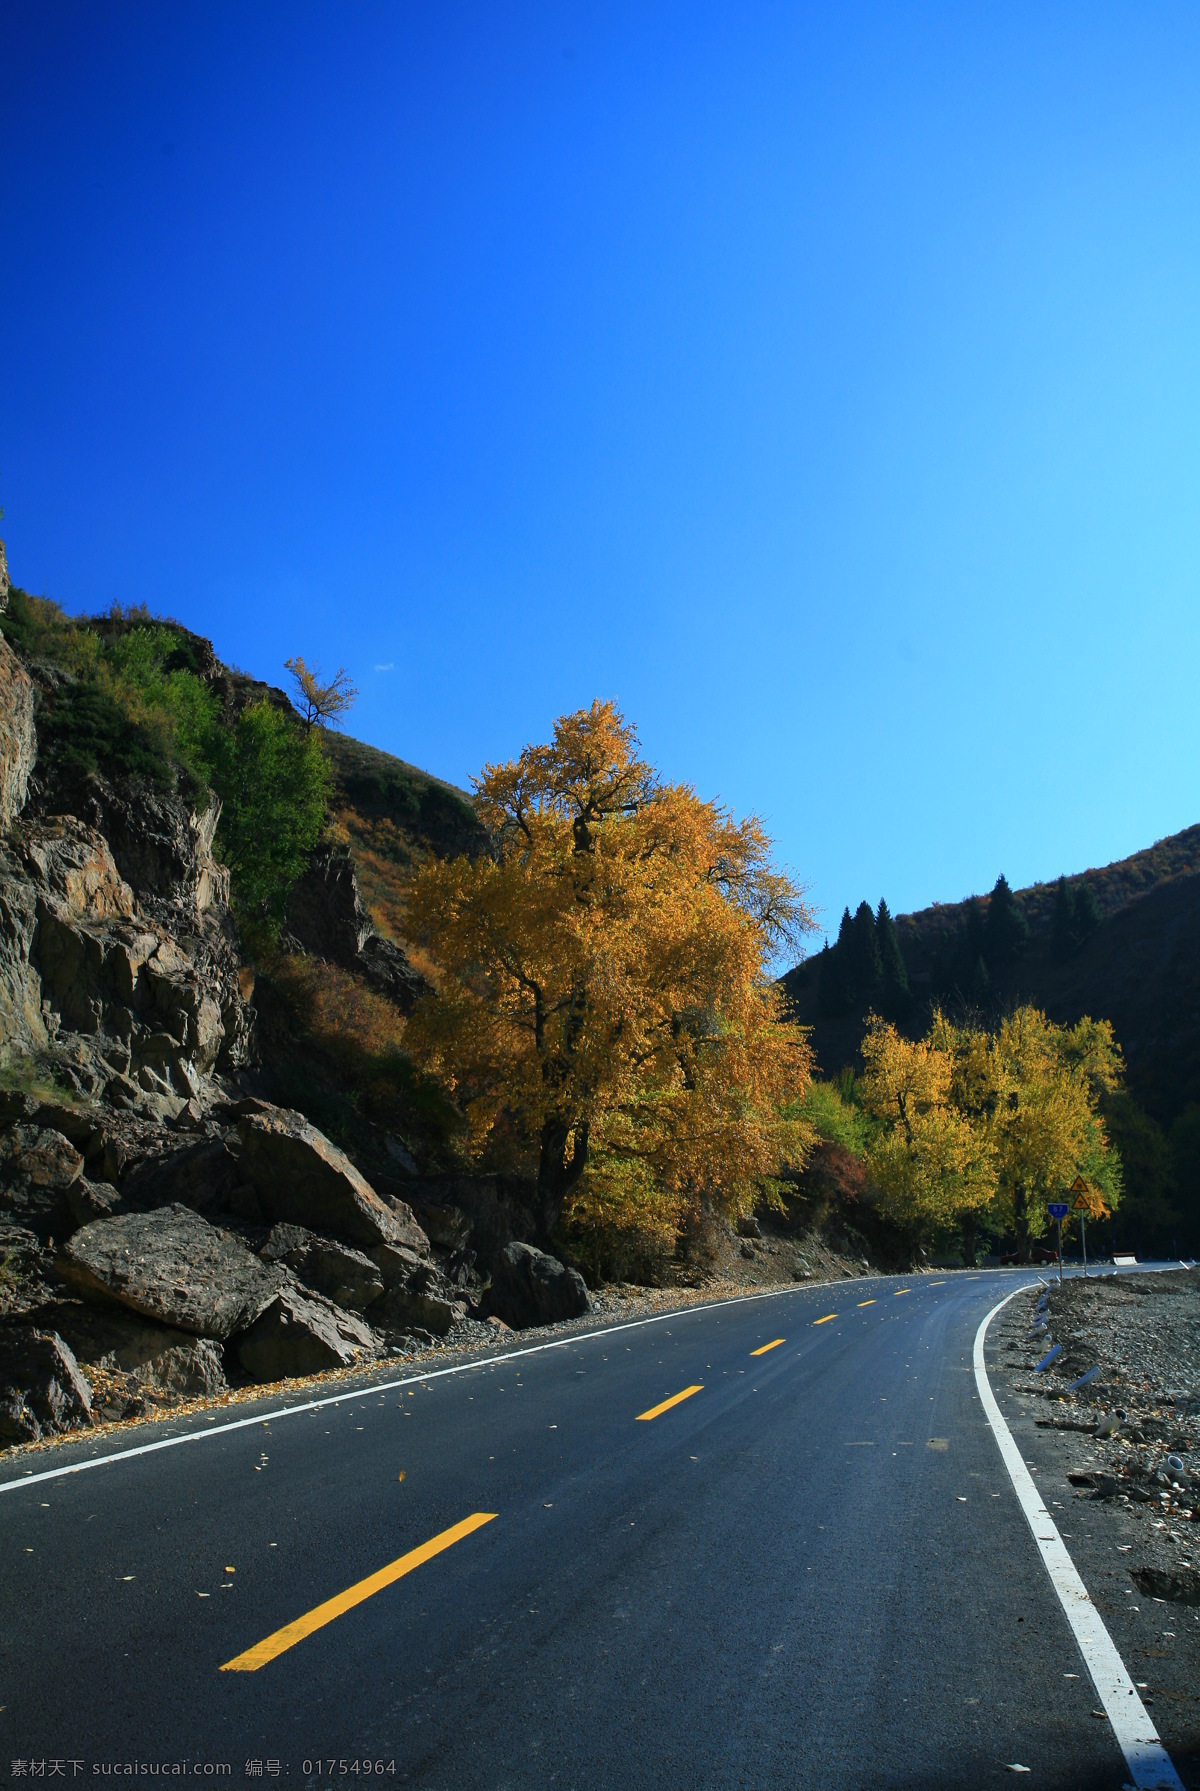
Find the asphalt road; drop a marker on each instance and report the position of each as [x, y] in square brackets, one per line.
[811, 1571]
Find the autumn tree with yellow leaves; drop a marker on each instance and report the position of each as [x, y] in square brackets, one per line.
[603, 1001]
[976, 1128]
[932, 1166]
[1045, 1120]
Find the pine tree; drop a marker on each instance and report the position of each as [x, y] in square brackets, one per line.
[1062, 923]
[866, 967]
[1007, 927]
[834, 987]
[1087, 913]
[895, 975]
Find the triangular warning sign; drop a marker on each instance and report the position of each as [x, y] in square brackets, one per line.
[1078, 1186]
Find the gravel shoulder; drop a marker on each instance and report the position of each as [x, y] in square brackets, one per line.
[1117, 1461]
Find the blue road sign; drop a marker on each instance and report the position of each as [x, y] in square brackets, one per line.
[1058, 1209]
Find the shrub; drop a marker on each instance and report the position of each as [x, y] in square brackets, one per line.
[273, 782]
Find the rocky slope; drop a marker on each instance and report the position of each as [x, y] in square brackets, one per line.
[166, 1231]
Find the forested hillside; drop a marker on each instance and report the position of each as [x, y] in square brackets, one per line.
[1120, 943]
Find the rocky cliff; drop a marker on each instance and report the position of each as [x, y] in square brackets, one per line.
[167, 1230]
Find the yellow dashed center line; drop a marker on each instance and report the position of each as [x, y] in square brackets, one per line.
[286, 1638]
[866, 1302]
[763, 1348]
[901, 1290]
[825, 1320]
[675, 1399]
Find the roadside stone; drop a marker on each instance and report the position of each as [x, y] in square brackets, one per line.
[407, 1308]
[108, 1341]
[301, 1178]
[346, 1276]
[530, 1287]
[173, 1266]
[301, 1333]
[396, 1263]
[42, 1390]
[1179, 1587]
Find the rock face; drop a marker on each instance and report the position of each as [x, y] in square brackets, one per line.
[300, 1334]
[302, 1179]
[345, 1276]
[18, 740]
[42, 1391]
[162, 844]
[141, 1014]
[327, 915]
[531, 1288]
[170, 1265]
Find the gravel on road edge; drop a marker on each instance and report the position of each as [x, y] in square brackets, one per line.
[1100, 1453]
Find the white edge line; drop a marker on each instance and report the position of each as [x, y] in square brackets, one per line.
[410, 1380]
[1148, 1761]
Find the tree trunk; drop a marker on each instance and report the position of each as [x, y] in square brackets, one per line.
[970, 1240]
[558, 1172]
[1021, 1221]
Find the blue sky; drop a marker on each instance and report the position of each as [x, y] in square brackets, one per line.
[823, 384]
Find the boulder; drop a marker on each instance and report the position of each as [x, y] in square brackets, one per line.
[303, 1179]
[90, 1200]
[531, 1288]
[173, 1266]
[42, 1391]
[396, 1263]
[446, 1226]
[194, 1369]
[37, 1169]
[301, 1333]
[208, 1177]
[345, 1276]
[409, 1232]
[40, 1156]
[147, 1356]
[409, 1308]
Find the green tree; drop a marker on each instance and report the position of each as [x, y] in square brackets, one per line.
[893, 971]
[866, 970]
[1007, 927]
[273, 783]
[1087, 914]
[1062, 923]
[834, 987]
[1185, 1154]
[1149, 1219]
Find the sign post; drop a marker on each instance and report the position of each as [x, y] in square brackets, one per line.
[1058, 1209]
[1080, 1204]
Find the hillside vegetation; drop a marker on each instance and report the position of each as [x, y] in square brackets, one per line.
[1120, 943]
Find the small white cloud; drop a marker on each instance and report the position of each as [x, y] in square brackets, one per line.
[389, 667]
